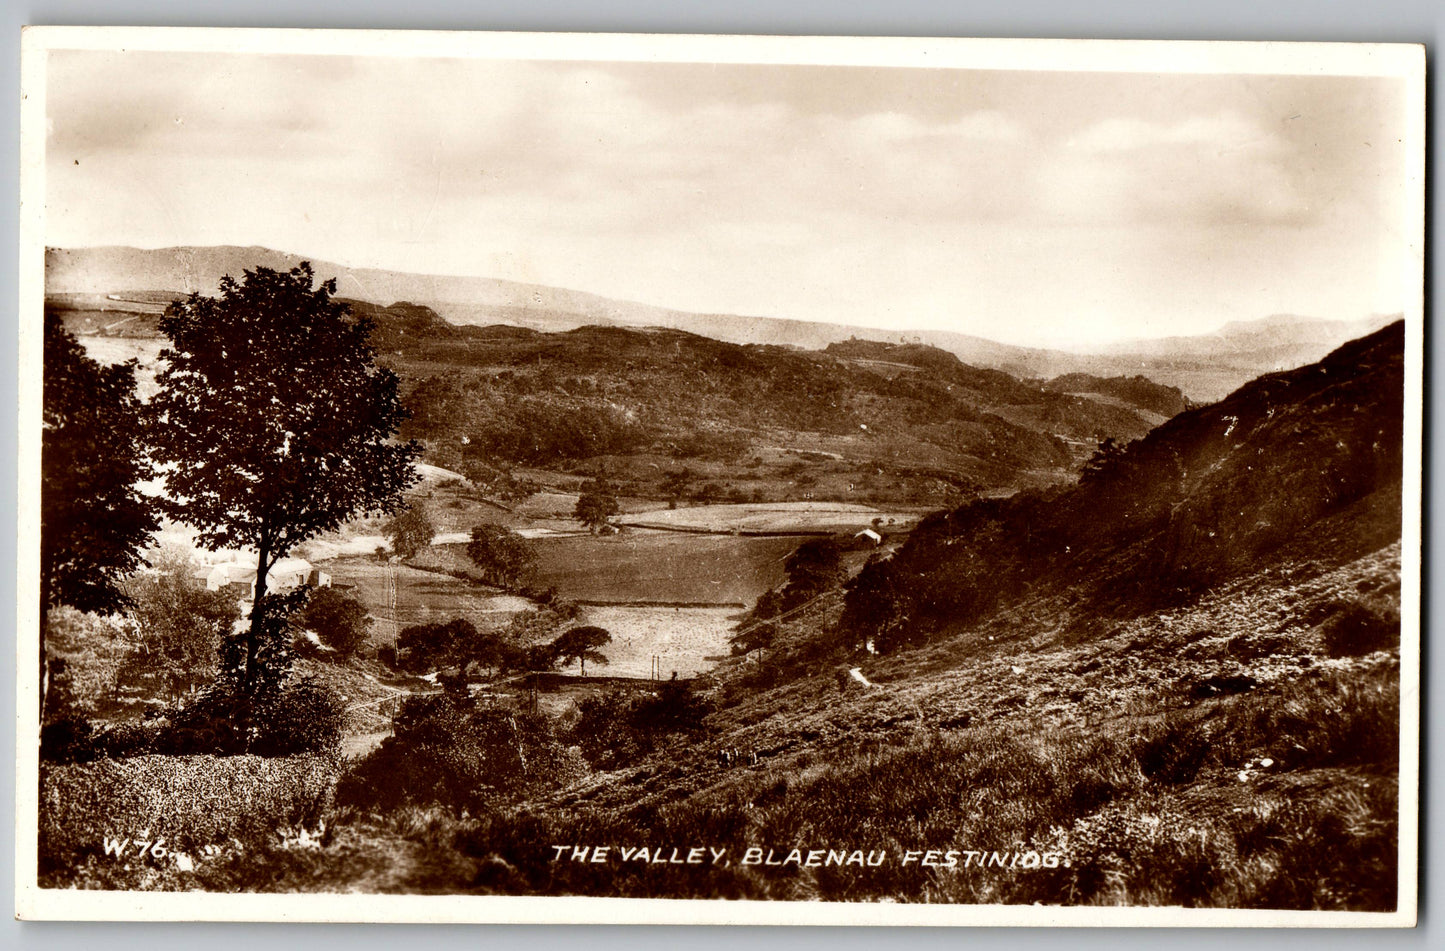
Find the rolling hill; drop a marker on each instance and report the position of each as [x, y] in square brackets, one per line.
[1204, 367]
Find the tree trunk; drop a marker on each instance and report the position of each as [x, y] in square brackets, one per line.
[263, 555]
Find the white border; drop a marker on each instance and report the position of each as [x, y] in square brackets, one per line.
[1381, 60]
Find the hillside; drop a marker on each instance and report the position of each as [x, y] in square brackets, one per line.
[675, 415]
[751, 420]
[1172, 681]
[1180, 678]
[1204, 367]
[1307, 459]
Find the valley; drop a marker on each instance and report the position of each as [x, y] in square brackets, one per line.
[866, 597]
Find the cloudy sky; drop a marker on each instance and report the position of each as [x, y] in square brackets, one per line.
[1035, 208]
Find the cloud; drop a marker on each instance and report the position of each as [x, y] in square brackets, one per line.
[1222, 132]
[1205, 169]
[953, 195]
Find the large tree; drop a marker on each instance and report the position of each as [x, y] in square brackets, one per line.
[596, 503]
[410, 531]
[275, 423]
[503, 557]
[93, 521]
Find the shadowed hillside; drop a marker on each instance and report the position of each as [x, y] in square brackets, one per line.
[1307, 460]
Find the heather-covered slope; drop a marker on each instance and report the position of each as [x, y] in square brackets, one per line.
[1309, 459]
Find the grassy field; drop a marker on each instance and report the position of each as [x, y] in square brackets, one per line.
[682, 639]
[772, 517]
[662, 566]
[420, 597]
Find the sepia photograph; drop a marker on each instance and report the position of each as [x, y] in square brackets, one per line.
[720, 480]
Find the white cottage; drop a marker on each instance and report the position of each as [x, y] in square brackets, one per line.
[287, 574]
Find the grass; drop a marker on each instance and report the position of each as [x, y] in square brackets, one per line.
[1312, 830]
[662, 567]
[766, 517]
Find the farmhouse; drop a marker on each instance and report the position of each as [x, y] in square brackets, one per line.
[286, 575]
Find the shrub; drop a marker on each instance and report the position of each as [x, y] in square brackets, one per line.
[300, 717]
[448, 750]
[340, 622]
[617, 728]
[1357, 629]
[178, 627]
[604, 732]
[189, 801]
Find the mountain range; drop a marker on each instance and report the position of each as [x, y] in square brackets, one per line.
[1204, 367]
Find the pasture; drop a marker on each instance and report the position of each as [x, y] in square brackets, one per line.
[398, 596]
[766, 518]
[661, 567]
[680, 638]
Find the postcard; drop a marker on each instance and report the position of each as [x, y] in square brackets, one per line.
[727, 480]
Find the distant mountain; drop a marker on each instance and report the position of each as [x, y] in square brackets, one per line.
[1203, 367]
[1299, 466]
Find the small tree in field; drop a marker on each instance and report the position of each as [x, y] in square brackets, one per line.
[274, 423]
[596, 503]
[502, 555]
[410, 531]
[581, 643]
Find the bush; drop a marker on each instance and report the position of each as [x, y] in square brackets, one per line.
[189, 801]
[301, 717]
[1358, 629]
[179, 626]
[340, 622]
[448, 750]
[617, 728]
[604, 730]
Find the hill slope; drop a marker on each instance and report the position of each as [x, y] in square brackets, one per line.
[1221, 731]
[1307, 460]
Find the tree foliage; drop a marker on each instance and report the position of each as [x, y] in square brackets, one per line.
[503, 556]
[178, 624]
[275, 423]
[596, 503]
[410, 531]
[813, 567]
[455, 643]
[339, 621]
[496, 481]
[450, 750]
[619, 727]
[580, 644]
[93, 522]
